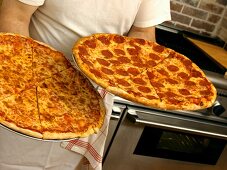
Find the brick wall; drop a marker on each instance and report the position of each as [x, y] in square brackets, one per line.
[222, 31]
[207, 17]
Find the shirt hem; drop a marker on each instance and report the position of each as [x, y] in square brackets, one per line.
[32, 2]
[153, 22]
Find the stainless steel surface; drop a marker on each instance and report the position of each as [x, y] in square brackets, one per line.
[175, 122]
[217, 79]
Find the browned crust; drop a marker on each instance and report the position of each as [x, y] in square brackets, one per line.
[21, 130]
[67, 135]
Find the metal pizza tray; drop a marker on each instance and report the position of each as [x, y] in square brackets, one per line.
[35, 138]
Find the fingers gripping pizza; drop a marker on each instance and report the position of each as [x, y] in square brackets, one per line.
[144, 72]
[41, 95]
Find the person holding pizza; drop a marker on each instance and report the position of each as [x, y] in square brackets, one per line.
[59, 24]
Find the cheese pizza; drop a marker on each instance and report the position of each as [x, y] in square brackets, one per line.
[42, 95]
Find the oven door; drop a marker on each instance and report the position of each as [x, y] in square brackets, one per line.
[153, 140]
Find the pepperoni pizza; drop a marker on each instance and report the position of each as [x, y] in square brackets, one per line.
[144, 72]
[41, 95]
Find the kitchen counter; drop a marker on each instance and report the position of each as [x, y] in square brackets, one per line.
[215, 52]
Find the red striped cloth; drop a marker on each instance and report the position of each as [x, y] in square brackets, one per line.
[92, 147]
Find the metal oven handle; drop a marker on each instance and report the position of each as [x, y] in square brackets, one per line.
[133, 117]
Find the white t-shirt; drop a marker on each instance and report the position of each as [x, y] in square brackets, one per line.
[60, 23]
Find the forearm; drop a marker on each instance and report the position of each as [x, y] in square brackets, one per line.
[145, 33]
[15, 17]
[13, 26]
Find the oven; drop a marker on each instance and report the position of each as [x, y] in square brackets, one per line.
[143, 138]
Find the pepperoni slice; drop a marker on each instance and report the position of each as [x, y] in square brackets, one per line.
[122, 72]
[119, 52]
[132, 43]
[133, 71]
[144, 89]
[82, 50]
[204, 82]
[195, 100]
[183, 75]
[107, 53]
[90, 43]
[206, 92]
[132, 51]
[137, 94]
[154, 56]
[104, 40]
[163, 72]
[196, 74]
[184, 92]
[174, 101]
[171, 81]
[157, 84]
[103, 62]
[139, 81]
[139, 64]
[150, 75]
[172, 68]
[158, 48]
[170, 94]
[115, 62]
[96, 73]
[136, 59]
[118, 39]
[140, 41]
[151, 63]
[107, 71]
[150, 97]
[187, 63]
[123, 60]
[123, 82]
[86, 61]
[189, 83]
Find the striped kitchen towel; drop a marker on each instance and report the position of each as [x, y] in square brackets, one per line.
[92, 147]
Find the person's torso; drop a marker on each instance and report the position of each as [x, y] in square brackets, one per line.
[60, 23]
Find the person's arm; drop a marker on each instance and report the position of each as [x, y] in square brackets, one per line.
[147, 33]
[15, 17]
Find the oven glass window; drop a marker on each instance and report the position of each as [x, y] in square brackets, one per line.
[179, 146]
